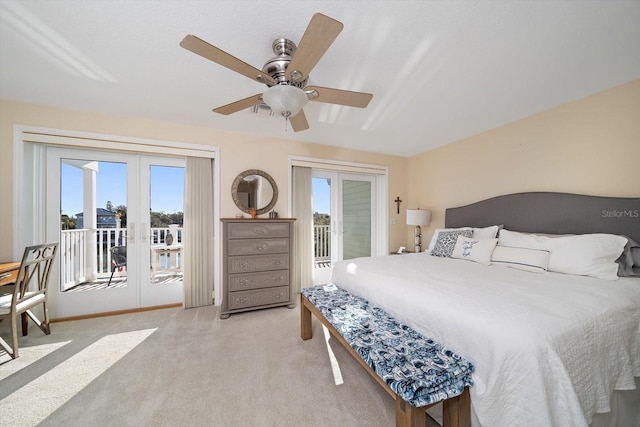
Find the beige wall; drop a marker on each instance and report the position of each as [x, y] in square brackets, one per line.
[237, 153]
[589, 146]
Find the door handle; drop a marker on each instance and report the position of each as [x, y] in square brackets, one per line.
[131, 235]
[145, 232]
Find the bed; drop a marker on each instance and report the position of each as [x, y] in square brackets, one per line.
[550, 349]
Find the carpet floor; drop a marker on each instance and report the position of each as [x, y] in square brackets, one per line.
[176, 367]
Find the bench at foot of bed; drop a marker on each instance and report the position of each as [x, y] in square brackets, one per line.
[428, 373]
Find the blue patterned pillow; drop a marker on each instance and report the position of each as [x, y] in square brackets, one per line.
[447, 241]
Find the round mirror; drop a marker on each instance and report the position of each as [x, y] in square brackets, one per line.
[254, 188]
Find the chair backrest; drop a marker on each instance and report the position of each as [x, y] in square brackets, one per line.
[119, 256]
[35, 268]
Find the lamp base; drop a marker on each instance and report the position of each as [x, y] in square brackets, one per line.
[416, 239]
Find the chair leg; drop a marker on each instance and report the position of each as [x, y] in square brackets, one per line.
[113, 270]
[14, 336]
[4, 345]
[47, 328]
[44, 327]
[25, 324]
[12, 350]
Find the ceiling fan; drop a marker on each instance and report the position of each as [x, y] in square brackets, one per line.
[286, 75]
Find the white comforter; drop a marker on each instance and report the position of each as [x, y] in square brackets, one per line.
[548, 349]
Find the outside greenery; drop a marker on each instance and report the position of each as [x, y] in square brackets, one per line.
[158, 219]
[321, 219]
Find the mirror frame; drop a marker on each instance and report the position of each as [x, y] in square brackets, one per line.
[240, 178]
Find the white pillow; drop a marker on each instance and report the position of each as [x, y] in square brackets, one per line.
[535, 239]
[472, 249]
[583, 254]
[485, 233]
[434, 238]
[534, 260]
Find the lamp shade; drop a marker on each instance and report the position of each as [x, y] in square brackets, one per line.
[418, 216]
[285, 100]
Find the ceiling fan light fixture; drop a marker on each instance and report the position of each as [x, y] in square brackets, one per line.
[285, 100]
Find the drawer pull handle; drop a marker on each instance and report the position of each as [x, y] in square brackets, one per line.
[277, 262]
[258, 231]
[260, 246]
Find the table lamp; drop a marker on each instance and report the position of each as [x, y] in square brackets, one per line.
[418, 217]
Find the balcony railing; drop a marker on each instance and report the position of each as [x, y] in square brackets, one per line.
[322, 245]
[73, 265]
[76, 265]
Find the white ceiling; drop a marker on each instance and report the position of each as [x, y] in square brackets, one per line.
[439, 70]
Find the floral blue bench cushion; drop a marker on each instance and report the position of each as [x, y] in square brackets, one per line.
[416, 368]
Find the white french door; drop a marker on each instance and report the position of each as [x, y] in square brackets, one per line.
[161, 184]
[345, 219]
[110, 257]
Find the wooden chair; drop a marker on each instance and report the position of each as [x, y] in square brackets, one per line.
[30, 291]
[118, 259]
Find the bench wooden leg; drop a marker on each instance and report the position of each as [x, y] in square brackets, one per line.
[456, 412]
[409, 416]
[305, 320]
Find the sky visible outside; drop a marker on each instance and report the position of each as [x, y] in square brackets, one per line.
[321, 196]
[167, 187]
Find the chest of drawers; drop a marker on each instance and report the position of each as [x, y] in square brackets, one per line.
[257, 264]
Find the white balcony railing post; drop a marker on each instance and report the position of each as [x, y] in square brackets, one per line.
[322, 242]
[73, 249]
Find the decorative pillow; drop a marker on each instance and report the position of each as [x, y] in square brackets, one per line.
[629, 261]
[472, 249]
[635, 253]
[486, 233]
[437, 231]
[446, 241]
[583, 254]
[534, 260]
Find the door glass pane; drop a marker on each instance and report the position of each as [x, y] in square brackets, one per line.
[93, 219]
[356, 217]
[166, 197]
[322, 221]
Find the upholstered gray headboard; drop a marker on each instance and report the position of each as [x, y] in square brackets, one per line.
[553, 213]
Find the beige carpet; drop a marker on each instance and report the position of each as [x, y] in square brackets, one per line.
[178, 367]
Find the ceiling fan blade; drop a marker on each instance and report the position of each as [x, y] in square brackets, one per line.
[339, 96]
[234, 107]
[212, 53]
[299, 122]
[317, 38]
